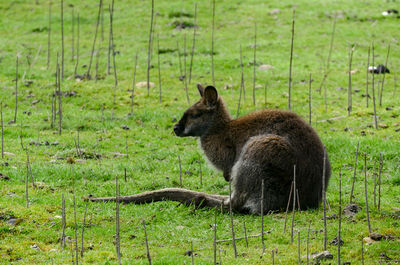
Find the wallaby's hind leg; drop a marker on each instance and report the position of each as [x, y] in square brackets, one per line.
[268, 157]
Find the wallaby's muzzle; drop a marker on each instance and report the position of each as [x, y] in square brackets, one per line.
[178, 129]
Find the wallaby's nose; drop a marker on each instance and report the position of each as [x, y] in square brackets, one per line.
[177, 129]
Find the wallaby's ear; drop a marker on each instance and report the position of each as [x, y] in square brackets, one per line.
[211, 96]
[201, 89]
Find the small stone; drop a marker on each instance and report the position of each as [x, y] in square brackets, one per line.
[335, 241]
[389, 108]
[125, 127]
[383, 125]
[4, 177]
[35, 102]
[351, 210]
[376, 236]
[321, 256]
[368, 240]
[36, 247]
[274, 11]
[14, 221]
[354, 71]
[143, 84]
[265, 67]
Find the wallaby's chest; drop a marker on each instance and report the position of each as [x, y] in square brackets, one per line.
[220, 151]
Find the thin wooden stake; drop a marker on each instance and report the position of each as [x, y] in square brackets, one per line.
[149, 48]
[384, 74]
[349, 90]
[354, 174]
[62, 40]
[308, 241]
[134, 82]
[212, 42]
[63, 216]
[294, 203]
[231, 216]
[309, 101]
[291, 63]
[16, 92]
[262, 217]
[184, 67]
[147, 242]
[215, 236]
[287, 207]
[298, 246]
[27, 183]
[367, 81]
[159, 66]
[340, 214]
[379, 181]
[60, 115]
[373, 86]
[83, 227]
[324, 197]
[180, 170]
[73, 33]
[366, 194]
[48, 37]
[2, 132]
[117, 235]
[245, 234]
[75, 226]
[193, 42]
[94, 40]
[109, 43]
[241, 83]
[77, 47]
[374, 193]
[254, 64]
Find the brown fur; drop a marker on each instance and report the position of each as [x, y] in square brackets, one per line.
[261, 145]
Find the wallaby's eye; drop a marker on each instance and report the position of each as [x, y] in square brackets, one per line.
[196, 115]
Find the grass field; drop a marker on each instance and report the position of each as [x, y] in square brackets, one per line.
[112, 139]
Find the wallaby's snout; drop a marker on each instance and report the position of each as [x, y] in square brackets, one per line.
[178, 129]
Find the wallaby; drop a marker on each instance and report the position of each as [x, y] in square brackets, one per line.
[264, 145]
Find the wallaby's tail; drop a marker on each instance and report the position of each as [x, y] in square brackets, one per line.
[199, 199]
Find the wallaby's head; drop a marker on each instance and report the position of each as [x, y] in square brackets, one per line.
[208, 112]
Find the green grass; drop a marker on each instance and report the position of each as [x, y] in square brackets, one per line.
[153, 149]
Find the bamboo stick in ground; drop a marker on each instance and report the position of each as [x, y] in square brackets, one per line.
[349, 90]
[83, 227]
[379, 181]
[324, 197]
[63, 216]
[374, 192]
[215, 236]
[94, 40]
[298, 247]
[340, 213]
[254, 64]
[212, 42]
[184, 67]
[73, 32]
[62, 40]
[231, 217]
[373, 86]
[367, 81]
[117, 234]
[159, 66]
[384, 74]
[27, 184]
[59, 103]
[48, 37]
[294, 203]
[77, 47]
[245, 234]
[109, 44]
[75, 227]
[262, 217]
[241, 83]
[149, 48]
[193, 42]
[147, 242]
[287, 207]
[309, 101]
[16, 92]
[366, 194]
[2, 132]
[134, 83]
[291, 62]
[354, 174]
